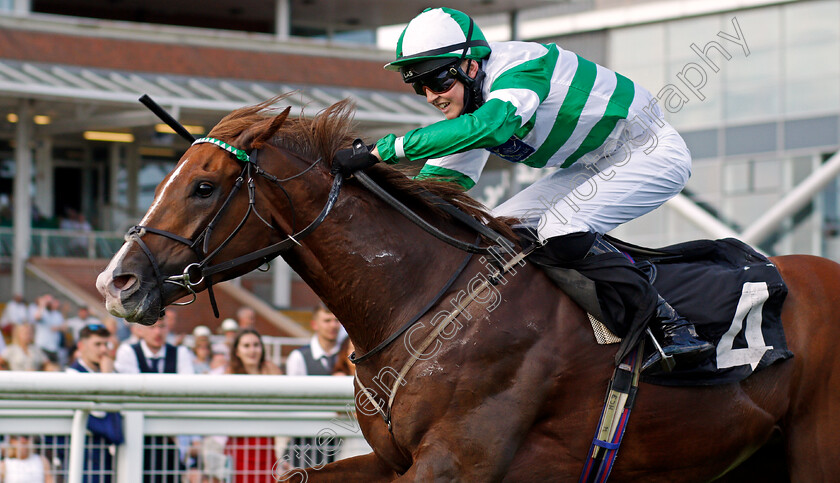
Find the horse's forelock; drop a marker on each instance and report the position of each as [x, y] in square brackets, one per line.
[320, 136]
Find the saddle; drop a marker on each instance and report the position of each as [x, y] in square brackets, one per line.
[731, 293]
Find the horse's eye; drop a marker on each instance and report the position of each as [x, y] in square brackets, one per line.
[204, 189]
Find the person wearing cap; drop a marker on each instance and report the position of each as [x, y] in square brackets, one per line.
[92, 347]
[614, 156]
[228, 328]
[202, 350]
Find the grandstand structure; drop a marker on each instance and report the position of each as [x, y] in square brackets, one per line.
[753, 85]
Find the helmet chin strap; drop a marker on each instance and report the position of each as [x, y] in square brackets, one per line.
[473, 98]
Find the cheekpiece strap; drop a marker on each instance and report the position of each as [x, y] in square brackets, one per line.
[239, 153]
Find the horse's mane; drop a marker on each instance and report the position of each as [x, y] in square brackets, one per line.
[329, 131]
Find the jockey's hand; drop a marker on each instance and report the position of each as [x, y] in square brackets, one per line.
[349, 160]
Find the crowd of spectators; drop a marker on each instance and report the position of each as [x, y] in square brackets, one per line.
[41, 337]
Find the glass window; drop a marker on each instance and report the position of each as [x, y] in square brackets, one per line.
[699, 31]
[767, 175]
[812, 22]
[811, 60]
[691, 73]
[752, 82]
[745, 209]
[752, 86]
[704, 183]
[801, 168]
[737, 177]
[639, 54]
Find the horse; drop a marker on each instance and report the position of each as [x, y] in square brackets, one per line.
[512, 389]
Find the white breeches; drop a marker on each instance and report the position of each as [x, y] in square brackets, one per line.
[600, 194]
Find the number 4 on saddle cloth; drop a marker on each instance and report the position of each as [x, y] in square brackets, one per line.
[731, 293]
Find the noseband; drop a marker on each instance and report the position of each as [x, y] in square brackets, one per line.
[196, 273]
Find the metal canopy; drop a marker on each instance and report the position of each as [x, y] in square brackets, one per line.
[257, 15]
[195, 95]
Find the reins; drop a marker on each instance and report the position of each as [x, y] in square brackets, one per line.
[202, 270]
[447, 207]
[205, 271]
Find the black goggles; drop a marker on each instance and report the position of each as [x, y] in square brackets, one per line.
[438, 82]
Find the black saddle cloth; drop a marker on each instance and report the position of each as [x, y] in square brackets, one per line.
[731, 293]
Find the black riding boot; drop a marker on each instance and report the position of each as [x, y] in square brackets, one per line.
[679, 339]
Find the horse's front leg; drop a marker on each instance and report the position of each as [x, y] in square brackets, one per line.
[477, 447]
[367, 468]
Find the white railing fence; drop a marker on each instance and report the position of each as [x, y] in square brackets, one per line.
[247, 419]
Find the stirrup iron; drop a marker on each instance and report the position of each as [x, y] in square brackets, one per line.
[666, 361]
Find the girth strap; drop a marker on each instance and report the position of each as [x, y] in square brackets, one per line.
[620, 399]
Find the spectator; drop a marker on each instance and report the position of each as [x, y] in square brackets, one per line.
[113, 325]
[170, 319]
[229, 329]
[75, 221]
[22, 465]
[49, 323]
[246, 317]
[105, 428]
[161, 461]
[153, 353]
[82, 319]
[248, 355]
[22, 354]
[316, 359]
[134, 334]
[121, 329]
[17, 312]
[253, 457]
[202, 351]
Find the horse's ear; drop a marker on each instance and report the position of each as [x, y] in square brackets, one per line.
[268, 133]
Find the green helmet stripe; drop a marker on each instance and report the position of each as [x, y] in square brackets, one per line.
[477, 45]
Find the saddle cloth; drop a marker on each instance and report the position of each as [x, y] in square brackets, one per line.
[731, 293]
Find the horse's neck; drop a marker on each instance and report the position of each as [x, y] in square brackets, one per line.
[374, 270]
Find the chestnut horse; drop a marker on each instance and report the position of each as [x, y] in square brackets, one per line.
[513, 389]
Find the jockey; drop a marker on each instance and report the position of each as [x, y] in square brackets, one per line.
[615, 156]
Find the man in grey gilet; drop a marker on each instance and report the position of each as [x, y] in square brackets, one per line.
[316, 359]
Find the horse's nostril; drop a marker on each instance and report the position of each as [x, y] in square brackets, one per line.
[122, 282]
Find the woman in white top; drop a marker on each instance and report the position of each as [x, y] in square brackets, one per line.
[22, 354]
[21, 465]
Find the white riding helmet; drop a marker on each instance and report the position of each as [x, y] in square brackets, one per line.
[442, 35]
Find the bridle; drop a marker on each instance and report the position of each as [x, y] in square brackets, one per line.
[201, 272]
[196, 273]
